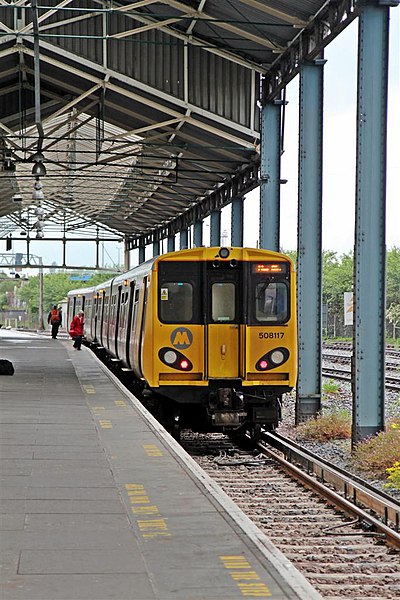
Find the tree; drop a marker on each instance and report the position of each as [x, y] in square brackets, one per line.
[7, 285]
[55, 288]
[393, 316]
[337, 278]
[393, 276]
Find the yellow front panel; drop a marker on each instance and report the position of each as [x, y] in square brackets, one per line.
[186, 339]
[260, 341]
[223, 351]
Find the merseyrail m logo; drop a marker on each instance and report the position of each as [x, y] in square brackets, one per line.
[181, 338]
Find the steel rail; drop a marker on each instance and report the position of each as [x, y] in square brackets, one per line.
[391, 383]
[351, 492]
[328, 353]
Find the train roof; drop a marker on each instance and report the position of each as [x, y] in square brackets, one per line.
[81, 291]
[223, 253]
[191, 254]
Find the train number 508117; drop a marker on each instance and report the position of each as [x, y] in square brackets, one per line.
[271, 335]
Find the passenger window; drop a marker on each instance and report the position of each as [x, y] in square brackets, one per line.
[271, 302]
[176, 302]
[223, 302]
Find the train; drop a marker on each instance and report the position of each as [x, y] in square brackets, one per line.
[206, 337]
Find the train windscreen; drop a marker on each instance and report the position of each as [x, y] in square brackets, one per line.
[179, 296]
[269, 293]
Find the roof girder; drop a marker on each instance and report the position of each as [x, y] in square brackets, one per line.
[175, 127]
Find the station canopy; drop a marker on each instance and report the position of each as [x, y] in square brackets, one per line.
[144, 115]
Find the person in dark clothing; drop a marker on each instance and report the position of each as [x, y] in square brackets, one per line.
[55, 320]
[76, 329]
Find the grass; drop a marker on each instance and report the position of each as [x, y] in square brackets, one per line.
[332, 426]
[380, 455]
[330, 387]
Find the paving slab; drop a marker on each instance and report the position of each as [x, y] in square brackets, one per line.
[80, 561]
[121, 586]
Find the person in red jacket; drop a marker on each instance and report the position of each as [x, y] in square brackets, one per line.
[76, 329]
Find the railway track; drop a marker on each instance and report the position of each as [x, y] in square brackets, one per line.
[391, 351]
[392, 382]
[345, 550]
[391, 363]
[352, 489]
[341, 353]
[345, 357]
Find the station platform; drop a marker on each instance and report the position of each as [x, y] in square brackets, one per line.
[99, 502]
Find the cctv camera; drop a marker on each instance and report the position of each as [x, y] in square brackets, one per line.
[17, 198]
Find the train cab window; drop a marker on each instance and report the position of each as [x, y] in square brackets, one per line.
[223, 302]
[271, 302]
[176, 302]
[269, 292]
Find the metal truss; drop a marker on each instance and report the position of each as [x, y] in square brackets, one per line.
[308, 45]
[126, 155]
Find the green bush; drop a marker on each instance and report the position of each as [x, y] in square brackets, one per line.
[380, 453]
[332, 426]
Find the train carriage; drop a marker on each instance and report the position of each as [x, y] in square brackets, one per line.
[208, 334]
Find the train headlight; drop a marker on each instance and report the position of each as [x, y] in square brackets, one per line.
[170, 357]
[277, 357]
[224, 252]
[174, 359]
[273, 358]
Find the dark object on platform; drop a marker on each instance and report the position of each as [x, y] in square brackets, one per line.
[6, 367]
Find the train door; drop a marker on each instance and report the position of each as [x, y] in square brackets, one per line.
[134, 328]
[105, 318]
[112, 312]
[95, 316]
[224, 291]
[128, 327]
[100, 316]
[143, 319]
[70, 310]
[88, 318]
[120, 300]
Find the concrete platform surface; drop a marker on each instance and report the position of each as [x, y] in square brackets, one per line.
[99, 502]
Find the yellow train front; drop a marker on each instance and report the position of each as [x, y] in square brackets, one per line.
[218, 338]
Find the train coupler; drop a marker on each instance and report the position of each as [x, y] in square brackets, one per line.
[227, 408]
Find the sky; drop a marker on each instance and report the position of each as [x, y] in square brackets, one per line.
[340, 105]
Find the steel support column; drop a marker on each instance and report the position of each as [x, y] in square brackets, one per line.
[127, 257]
[198, 233]
[41, 320]
[156, 248]
[171, 243]
[183, 239]
[309, 269]
[237, 222]
[215, 228]
[270, 175]
[142, 253]
[370, 251]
